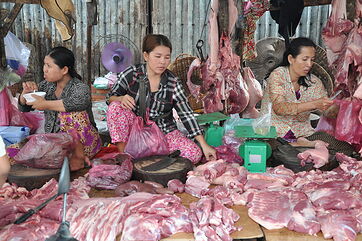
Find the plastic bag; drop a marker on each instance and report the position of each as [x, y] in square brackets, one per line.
[10, 115]
[262, 124]
[235, 120]
[326, 124]
[5, 106]
[17, 54]
[232, 141]
[146, 140]
[45, 150]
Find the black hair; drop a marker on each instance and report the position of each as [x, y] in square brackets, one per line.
[151, 41]
[294, 49]
[64, 57]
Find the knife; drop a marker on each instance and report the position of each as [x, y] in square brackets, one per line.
[335, 95]
[32, 211]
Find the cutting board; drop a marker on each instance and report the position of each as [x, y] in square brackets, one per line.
[176, 170]
[31, 178]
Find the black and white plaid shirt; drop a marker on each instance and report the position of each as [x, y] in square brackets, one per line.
[169, 96]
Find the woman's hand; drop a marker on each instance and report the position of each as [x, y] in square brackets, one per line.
[127, 102]
[28, 87]
[39, 103]
[322, 103]
[209, 152]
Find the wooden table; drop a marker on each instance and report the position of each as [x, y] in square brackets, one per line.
[250, 228]
[287, 235]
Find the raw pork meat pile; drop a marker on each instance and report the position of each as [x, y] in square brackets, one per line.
[306, 202]
[139, 216]
[42, 224]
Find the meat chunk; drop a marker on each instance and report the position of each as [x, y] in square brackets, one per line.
[319, 156]
[255, 93]
[176, 185]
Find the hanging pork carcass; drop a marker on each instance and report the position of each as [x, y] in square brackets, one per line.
[335, 32]
[223, 88]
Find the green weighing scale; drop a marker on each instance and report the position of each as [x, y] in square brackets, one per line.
[214, 133]
[254, 151]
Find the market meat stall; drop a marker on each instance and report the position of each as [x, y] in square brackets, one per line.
[250, 228]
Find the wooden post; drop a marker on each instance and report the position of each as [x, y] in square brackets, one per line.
[240, 27]
[351, 9]
[223, 16]
[91, 20]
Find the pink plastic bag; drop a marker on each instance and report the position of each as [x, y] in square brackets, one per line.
[348, 125]
[4, 108]
[45, 150]
[10, 115]
[326, 124]
[146, 140]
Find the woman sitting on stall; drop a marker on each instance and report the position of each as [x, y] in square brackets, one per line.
[294, 92]
[166, 94]
[67, 104]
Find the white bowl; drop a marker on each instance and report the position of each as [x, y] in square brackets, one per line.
[30, 98]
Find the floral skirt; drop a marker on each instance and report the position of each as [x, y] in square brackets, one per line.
[78, 124]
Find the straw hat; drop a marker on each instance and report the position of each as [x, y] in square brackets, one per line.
[64, 14]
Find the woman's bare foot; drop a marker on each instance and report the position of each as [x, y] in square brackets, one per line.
[76, 163]
[121, 146]
[77, 158]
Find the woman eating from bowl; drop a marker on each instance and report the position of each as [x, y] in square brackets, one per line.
[66, 104]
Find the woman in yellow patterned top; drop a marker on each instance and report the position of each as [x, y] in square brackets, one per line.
[294, 92]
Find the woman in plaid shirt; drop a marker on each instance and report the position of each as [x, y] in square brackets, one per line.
[166, 93]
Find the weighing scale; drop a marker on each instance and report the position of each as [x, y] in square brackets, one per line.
[214, 133]
[255, 151]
